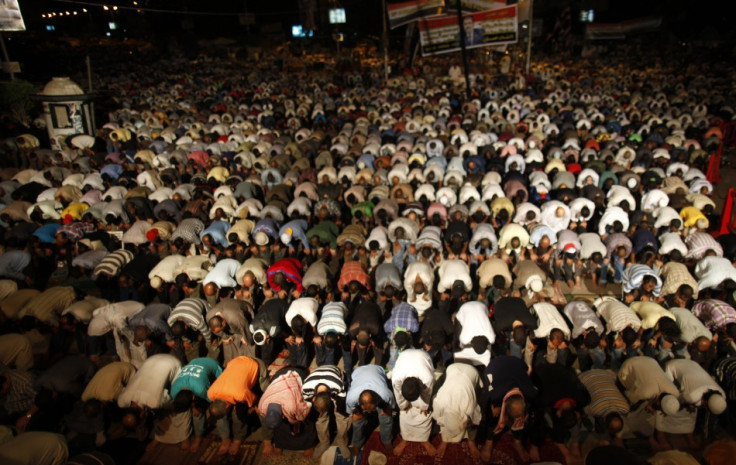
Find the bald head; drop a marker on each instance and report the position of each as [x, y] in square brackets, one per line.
[702, 343]
[248, 279]
[210, 289]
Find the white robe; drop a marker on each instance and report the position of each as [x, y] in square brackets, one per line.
[455, 406]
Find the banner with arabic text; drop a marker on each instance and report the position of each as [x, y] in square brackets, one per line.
[482, 29]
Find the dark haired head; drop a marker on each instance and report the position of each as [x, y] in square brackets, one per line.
[402, 339]
[629, 336]
[592, 339]
[183, 401]
[411, 389]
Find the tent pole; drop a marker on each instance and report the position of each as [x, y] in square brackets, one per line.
[463, 50]
[529, 38]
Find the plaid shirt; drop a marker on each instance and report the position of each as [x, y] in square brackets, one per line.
[286, 391]
[75, 231]
[21, 394]
[189, 230]
[675, 275]
[403, 316]
[353, 271]
[714, 314]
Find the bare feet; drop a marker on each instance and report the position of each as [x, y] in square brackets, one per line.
[441, 449]
[184, 445]
[473, 449]
[429, 448]
[196, 442]
[234, 447]
[308, 453]
[268, 449]
[152, 445]
[224, 447]
[534, 453]
[487, 452]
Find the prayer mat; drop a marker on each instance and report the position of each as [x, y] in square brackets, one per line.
[166, 454]
[457, 453]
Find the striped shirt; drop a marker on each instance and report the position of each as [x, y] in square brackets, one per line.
[616, 314]
[189, 230]
[616, 240]
[111, 265]
[329, 375]
[286, 391]
[715, 314]
[699, 243]
[725, 374]
[633, 276]
[333, 319]
[191, 311]
[48, 305]
[605, 397]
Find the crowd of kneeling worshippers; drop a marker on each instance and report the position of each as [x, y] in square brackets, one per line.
[325, 255]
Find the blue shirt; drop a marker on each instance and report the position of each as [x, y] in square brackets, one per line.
[268, 226]
[218, 232]
[47, 232]
[369, 377]
[112, 170]
[298, 228]
[196, 376]
[403, 316]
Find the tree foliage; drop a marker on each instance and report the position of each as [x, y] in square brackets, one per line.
[16, 100]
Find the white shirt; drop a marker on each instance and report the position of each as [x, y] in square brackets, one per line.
[306, 307]
[610, 215]
[165, 268]
[473, 316]
[149, 386]
[549, 318]
[550, 218]
[426, 275]
[671, 241]
[692, 380]
[655, 198]
[451, 271]
[413, 363]
[690, 326]
[223, 274]
[712, 271]
[577, 205]
[455, 406]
